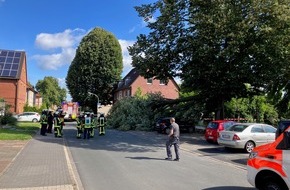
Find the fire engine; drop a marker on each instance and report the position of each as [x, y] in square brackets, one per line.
[268, 166]
[71, 110]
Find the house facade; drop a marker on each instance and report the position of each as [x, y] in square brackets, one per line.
[14, 87]
[132, 81]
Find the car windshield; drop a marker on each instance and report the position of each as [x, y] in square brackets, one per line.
[212, 125]
[238, 128]
[228, 124]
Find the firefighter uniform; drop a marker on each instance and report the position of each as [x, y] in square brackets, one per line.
[92, 129]
[58, 125]
[80, 126]
[87, 126]
[43, 122]
[101, 123]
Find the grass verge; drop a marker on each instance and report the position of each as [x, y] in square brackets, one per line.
[22, 131]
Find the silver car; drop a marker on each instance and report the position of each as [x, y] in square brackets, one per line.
[247, 136]
[28, 116]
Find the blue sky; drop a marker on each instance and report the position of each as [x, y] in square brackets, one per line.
[49, 31]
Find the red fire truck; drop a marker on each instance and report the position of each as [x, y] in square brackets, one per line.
[71, 110]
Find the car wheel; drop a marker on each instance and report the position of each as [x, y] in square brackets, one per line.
[167, 130]
[273, 184]
[249, 146]
[34, 120]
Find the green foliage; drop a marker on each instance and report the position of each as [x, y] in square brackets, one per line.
[51, 92]
[133, 113]
[255, 109]
[28, 108]
[19, 131]
[7, 119]
[96, 67]
[216, 47]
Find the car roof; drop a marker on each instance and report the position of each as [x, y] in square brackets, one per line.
[221, 121]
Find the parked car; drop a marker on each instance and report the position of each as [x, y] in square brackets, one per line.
[247, 136]
[268, 165]
[162, 125]
[282, 126]
[214, 127]
[28, 116]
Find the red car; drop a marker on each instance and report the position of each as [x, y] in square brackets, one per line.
[214, 127]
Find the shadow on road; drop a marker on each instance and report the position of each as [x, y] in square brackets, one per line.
[145, 158]
[229, 188]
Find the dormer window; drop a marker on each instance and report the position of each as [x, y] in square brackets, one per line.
[149, 81]
[162, 82]
[127, 81]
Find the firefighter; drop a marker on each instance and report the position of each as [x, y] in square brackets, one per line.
[92, 129]
[43, 122]
[62, 124]
[101, 123]
[87, 126]
[58, 124]
[57, 127]
[80, 125]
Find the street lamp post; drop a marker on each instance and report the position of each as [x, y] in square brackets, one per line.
[90, 93]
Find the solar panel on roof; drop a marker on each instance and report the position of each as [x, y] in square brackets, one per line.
[9, 63]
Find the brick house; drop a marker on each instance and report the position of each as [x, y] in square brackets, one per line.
[13, 79]
[33, 97]
[132, 81]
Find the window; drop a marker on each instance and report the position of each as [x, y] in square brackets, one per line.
[162, 82]
[257, 129]
[269, 129]
[149, 81]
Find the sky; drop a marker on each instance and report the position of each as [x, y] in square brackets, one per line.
[49, 31]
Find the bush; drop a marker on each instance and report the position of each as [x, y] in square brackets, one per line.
[8, 119]
[133, 113]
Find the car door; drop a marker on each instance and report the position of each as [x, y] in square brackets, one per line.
[270, 132]
[258, 135]
[22, 117]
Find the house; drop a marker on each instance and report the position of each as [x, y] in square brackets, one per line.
[132, 81]
[13, 79]
[34, 99]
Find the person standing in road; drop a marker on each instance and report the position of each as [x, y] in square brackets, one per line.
[43, 122]
[101, 123]
[173, 139]
[49, 122]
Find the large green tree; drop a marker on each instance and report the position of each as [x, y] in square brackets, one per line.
[219, 48]
[51, 92]
[95, 69]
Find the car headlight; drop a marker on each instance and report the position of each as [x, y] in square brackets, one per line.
[253, 154]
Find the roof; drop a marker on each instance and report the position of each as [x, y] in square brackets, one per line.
[11, 63]
[127, 81]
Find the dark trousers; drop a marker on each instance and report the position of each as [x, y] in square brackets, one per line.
[175, 142]
[43, 129]
[86, 133]
[49, 127]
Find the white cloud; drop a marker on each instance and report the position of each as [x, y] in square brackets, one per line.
[127, 60]
[66, 39]
[61, 48]
[62, 44]
[56, 60]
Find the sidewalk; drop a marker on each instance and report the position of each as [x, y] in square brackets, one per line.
[42, 163]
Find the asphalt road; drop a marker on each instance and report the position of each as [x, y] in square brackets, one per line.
[135, 160]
